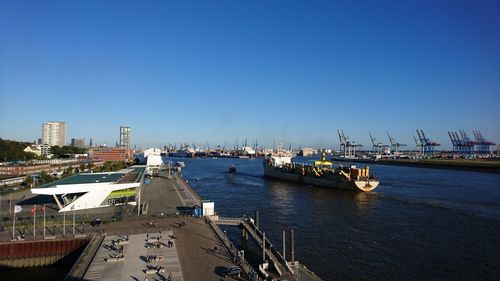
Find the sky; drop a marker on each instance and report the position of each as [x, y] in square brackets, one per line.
[217, 71]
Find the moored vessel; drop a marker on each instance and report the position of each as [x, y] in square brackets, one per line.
[279, 165]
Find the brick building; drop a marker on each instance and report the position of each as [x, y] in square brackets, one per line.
[21, 170]
[112, 154]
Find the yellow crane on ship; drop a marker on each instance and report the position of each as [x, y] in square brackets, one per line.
[321, 164]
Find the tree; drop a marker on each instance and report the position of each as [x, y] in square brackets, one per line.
[66, 150]
[81, 168]
[90, 166]
[120, 165]
[96, 169]
[107, 167]
[67, 172]
[29, 180]
[45, 177]
[14, 151]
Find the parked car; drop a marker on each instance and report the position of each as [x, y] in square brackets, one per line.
[96, 223]
[234, 271]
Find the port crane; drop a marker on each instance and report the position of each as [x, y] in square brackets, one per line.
[346, 146]
[395, 145]
[428, 144]
[482, 143]
[420, 147]
[456, 142]
[467, 143]
[377, 146]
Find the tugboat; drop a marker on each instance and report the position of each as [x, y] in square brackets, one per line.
[279, 165]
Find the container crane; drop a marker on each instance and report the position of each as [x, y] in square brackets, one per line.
[428, 145]
[377, 146]
[482, 143]
[346, 146]
[419, 145]
[455, 141]
[395, 145]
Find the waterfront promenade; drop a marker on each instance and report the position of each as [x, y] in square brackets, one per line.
[192, 256]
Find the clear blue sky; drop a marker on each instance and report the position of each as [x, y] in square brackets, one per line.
[197, 71]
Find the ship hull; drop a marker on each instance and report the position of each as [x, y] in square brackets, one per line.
[337, 182]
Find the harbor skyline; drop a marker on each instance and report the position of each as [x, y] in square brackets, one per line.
[272, 71]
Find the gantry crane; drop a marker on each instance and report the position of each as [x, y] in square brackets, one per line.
[377, 146]
[428, 145]
[395, 145]
[346, 146]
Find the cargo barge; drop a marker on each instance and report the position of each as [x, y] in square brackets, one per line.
[279, 165]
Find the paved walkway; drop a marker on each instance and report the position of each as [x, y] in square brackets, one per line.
[134, 265]
[163, 195]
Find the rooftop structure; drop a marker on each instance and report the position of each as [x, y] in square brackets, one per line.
[152, 151]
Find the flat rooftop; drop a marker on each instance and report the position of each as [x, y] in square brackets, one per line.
[86, 178]
[123, 176]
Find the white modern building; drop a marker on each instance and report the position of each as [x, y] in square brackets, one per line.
[87, 191]
[152, 151]
[154, 164]
[54, 133]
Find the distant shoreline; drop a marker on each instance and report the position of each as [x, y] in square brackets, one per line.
[476, 165]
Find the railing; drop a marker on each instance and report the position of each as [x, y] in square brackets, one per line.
[242, 262]
[229, 221]
[273, 250]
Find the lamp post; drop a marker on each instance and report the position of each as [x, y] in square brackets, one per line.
[34, 220]
[64, 223]
[43, 220]
[73, 220]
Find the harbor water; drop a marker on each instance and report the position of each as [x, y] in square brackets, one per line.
[419, 224]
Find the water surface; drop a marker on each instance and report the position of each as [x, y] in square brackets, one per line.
[419, 224]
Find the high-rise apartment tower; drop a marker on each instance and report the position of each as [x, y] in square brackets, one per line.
[54, 133]
[124, 136]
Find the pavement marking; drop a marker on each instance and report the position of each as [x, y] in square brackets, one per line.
[176, 187]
